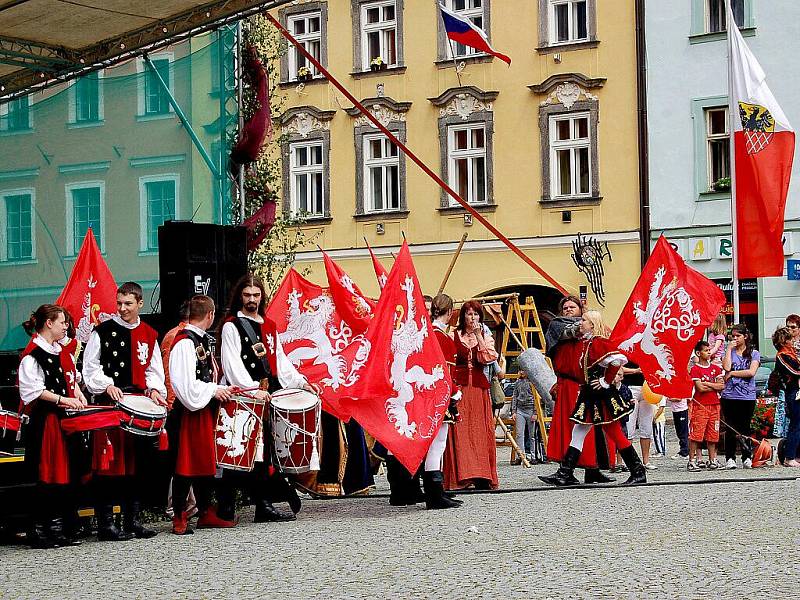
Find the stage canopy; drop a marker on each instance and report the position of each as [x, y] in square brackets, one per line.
[43, 42]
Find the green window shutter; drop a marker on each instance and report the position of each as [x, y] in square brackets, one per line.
[87, 98]
[18, 117]
[19, 236]
[85, 214]
[160, 208]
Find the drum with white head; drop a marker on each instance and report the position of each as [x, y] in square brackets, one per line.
[295, 430]
[141, 416]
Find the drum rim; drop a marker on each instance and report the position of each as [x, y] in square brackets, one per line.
[314, 400]
[138, 413]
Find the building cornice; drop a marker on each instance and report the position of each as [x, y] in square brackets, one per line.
[460, 92]
[559, 78]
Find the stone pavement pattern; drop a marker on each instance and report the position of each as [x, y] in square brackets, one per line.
[725, 540]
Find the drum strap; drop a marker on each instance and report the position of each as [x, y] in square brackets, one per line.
[247, 325]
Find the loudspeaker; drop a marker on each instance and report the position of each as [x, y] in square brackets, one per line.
[199, 258]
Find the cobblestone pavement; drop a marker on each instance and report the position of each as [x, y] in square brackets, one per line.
[731, 539]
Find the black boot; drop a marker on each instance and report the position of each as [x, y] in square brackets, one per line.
[39, 536]
[399, 480]
[564, 477]
[131, 523]
[57, 534]
[415, 493]
[434, 491]
[635, 466]
[266, 513]
[107, 531]
[282, 490]
[596, 476]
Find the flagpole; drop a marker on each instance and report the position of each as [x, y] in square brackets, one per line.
[449, 42]
[732, 113]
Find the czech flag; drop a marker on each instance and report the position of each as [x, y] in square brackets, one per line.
[460, 29]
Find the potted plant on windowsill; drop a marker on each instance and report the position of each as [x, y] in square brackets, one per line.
[377, 64]
[723, 184]
[304, 74]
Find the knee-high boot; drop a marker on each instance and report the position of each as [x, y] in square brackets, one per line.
[564, 477]
[635, 466]
[434, 491]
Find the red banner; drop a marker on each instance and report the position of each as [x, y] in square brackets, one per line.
[667, 313]
[90, 295]
[380, 271]
[355, 308]
[405, 386]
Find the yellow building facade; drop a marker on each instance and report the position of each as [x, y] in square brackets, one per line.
[544, 148]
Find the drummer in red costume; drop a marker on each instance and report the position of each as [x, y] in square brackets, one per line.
[253, 358]
[122, 356]
[596, 363]
[48, 382]
[194, 376]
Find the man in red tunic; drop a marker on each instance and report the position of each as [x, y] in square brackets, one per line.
[194, 374]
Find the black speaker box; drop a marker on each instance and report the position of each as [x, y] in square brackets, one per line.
[199, 258]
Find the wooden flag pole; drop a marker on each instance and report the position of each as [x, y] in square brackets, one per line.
[452, 263]
[513, 442]
[425, 168]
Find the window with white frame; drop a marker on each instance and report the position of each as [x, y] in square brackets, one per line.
[381, 174]
[379, 33]
[466, 155]
[85, 209]
[568, 21]
[86, 99]
[17, 241]
[473, 10]
[307, 29]
[153, 99]
[717, 15]
[306, 179]
[15, 115]
[718, 148]
[158, 196]
[570, 155]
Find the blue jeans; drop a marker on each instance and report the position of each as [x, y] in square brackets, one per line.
[793, 414]
[681, 420]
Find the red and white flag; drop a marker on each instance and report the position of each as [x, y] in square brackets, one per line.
[353, 306]
[666, 315]
[90, 295]
[380, 271]
[763, 150]
[404, 389]
[322, 346]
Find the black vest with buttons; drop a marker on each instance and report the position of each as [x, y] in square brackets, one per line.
[55, 380]
[204, 370]
[257, 368]
[115, 353]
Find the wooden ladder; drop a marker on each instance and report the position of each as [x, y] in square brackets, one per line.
[525, 327]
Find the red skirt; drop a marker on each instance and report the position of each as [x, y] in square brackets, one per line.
[54, 460]
[113, 453]
[471, 449]
[561, 427]
[197, 444]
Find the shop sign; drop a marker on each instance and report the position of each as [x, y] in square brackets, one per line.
[793, 270]
[699, 248]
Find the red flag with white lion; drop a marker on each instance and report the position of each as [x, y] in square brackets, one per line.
[90, 295]
[667, 313]
[405, 386]
[353, 306]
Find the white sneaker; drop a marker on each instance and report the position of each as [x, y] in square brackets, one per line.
[650, 467]
[677, 457]
[747, 464]
[731, 464]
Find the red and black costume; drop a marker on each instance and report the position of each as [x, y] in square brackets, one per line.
[46, 367]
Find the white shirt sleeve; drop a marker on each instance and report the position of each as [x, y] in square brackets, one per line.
[31, 380]
[232, 365]
[288, 375]
[95, 380]
[192, 393]
[154, 374]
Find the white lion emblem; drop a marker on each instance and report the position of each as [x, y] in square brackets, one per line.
[142, 352]
[660, 315]
[237, 429]
[407, 339]
[91, 313]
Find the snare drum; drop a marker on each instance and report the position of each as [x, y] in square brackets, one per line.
[238, 432]
[9, 421]
[141, 416]
[295, 418]
[90, 418]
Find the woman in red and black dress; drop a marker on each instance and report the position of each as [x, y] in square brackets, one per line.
[48, 384]
[471, 458]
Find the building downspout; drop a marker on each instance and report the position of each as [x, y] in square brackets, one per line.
[641, 110]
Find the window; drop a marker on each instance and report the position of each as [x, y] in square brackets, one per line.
[718, 148]
[153, 99]
[570, 151]
[473, 10]
[717, 15]
[84, 210]
[379, 33]
[86, 100]
[568, 21]
[307, 28]
[307, 190]
[15, 115]
[17, 230]
[381, 174]
[159, 203]
[466, 151]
